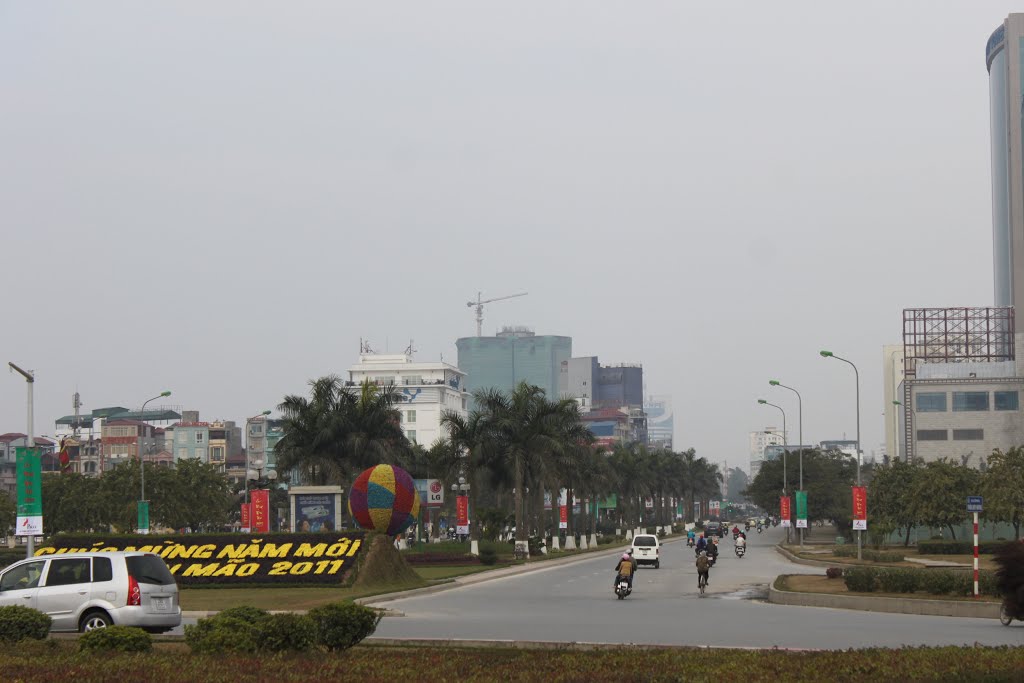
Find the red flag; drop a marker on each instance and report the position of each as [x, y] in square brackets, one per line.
[784, 511]
[245, 516]
[860, 508]
[260, 511]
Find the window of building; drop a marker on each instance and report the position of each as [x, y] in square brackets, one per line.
[970, 401]
[410, 416]
[932, 435]
[199, 437]
[182, 453]
[412, 379]
[256, 429]
[931, 402]
[201, 453]
[1006, 400]
[968, 435]
[217, 454]
[411, 435]
[180, 438]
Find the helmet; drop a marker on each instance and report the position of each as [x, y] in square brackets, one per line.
[625, 556]
[703, 553]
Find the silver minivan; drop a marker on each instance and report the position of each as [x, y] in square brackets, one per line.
[86, 591]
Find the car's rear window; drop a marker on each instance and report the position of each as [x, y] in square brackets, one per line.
[101, 569]
[645, 541]
[149, 569]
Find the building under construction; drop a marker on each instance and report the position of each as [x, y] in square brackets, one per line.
[961, 386]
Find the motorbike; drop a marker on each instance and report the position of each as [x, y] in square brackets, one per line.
[711, 559]
[758, 528]
[622, 588]
[690, 541]
[1007, 615]
[741, 550]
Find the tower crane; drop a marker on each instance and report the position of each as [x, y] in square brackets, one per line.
[479, 303]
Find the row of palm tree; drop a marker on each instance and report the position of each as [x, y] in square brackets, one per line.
[510, 448]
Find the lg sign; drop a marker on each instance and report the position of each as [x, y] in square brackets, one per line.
[435, 494]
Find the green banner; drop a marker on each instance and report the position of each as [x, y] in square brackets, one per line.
[610, 502]
[801, 505]
[143, 516]
[29, 482]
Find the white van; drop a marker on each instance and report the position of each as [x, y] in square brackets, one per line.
[86, 591]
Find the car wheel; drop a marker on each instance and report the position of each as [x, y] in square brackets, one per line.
[657, 564]
[93, 621]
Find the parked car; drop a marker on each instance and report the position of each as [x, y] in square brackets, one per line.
[86, 591]
[647, 550]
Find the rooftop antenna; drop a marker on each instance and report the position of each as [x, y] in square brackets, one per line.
[409, 350]
[479, 303]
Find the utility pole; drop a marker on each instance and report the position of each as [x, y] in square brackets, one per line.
[30, 440]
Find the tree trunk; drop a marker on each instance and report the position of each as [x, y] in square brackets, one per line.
[474, 514]
[518, 502]
[906, 543]
[951, 532]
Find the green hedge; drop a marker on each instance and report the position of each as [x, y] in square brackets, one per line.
[340, 625]
[958, 547]
[18, 622]
[116, 639]
[934, 581]
[867, 554]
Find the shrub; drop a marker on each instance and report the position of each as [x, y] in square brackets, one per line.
[860, 579]
[958, 547]
[834, 572]
[253, 615]
[986, 583]
[285, 632]
[963, 583]
[898, 580]
[340, 625]
[116, 639]
[937, 582]
[18, 622]
[488, 556]
[221, 634]
[868, 554]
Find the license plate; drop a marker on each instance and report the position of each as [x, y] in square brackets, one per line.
[161, 604]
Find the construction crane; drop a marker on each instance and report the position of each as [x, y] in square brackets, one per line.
[479, 303]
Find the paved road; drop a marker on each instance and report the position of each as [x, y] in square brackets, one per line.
[575, 603]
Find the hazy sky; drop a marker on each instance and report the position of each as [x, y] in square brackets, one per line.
[221, 198]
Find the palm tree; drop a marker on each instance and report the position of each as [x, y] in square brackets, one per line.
[372, 426]
[461, 453]
[524, 427]
[313, 430]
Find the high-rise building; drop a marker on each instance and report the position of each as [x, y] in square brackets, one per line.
[515, 355]
[1003, 58]
[759, 442]
[660, 421]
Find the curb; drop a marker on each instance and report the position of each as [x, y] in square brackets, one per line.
[838, 562]
[922, 606]
[480, 577]
[575, 646]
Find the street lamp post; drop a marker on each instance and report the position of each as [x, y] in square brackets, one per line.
[256, 476]
[856, 375]
[800, 435]
[785, 449]
[462, 488]
[143, 511]
[247, 463]
[30, 442]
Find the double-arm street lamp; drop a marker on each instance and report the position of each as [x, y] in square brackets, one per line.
[462, 489]
[800, 436]
[143, 511]
[30, 442]
[856, 375]
[250, 473]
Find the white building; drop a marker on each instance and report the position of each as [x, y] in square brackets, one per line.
[427, 389]
[769, 436]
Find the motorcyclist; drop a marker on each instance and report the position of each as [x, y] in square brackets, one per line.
[712, 550]
[625, 570]
[703, 568]
[702, 544]
[691, 537]
[741, 542]
[735, 531]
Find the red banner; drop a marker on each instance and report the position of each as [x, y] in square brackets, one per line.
[462, 514]
[860, 508]
[563, 516]
[785, 514]
[245, 516]
[260, 511]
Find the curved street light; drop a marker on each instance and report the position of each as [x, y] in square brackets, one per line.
[800, 436]
[143, 508]
[856, 375]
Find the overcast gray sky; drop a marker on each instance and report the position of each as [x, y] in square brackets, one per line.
[221, 198]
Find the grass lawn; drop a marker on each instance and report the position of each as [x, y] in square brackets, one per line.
[285, 598]
[57, 660]
[984, 561]
[822, 584]
[450, 572]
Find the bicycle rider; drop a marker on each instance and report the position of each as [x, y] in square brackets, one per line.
[703, 568]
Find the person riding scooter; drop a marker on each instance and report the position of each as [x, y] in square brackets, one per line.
[703, 566]
[712, 551]
[625, 570]
[702, 544]
[691, 538]
[741, 544]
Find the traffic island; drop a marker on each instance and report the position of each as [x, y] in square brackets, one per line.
[821, 591]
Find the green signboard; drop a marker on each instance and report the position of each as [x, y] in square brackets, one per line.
[30, 484]
[30, 492]
[801, 509]
[143, 516]
[610, 502]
